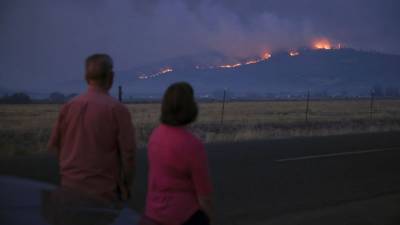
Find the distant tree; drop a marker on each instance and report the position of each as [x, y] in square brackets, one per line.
[17, 98]
[57, 97]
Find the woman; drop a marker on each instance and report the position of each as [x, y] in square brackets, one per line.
[179, 186]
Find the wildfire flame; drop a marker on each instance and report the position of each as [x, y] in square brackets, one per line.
[252, 61]
[227, 66]
[159, 73]
[294, 53]
[322, 43]
[266, 56]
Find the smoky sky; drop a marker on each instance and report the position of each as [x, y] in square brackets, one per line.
[44, 42]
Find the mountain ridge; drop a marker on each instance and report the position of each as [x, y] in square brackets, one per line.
[333, 71]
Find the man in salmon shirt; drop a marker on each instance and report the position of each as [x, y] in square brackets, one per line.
[94, 138]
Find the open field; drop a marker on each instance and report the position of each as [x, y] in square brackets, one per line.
[25, 128]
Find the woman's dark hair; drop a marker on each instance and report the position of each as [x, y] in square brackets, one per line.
[178, 105]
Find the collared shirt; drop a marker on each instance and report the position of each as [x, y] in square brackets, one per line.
[95, 143]
[178, 175]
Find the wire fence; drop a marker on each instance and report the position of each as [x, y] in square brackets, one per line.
[227, 119]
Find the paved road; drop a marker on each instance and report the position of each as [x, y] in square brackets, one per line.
[261, 181]
[272, 178]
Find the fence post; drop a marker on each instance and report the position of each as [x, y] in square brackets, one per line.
[120, 93]
[307, 105]
[371, 105]
[223, 108]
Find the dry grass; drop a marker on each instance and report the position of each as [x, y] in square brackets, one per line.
[25, 128]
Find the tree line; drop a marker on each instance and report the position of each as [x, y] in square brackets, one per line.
[24, 98]
[59, 98]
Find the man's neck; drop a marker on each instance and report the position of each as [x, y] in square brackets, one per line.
[96, 88]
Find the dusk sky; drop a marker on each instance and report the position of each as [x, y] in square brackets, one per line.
[46, 41]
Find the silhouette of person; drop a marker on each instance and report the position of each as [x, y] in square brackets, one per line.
[179, 184]
[94, 138]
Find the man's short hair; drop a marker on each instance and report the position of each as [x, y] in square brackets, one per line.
[98, 66]
[178, 105]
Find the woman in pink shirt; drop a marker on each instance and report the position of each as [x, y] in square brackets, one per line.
[179, 186]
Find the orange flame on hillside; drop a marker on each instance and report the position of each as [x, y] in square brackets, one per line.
[266, 56]
[294, 53]
[322, 43]
[159, 73]
[252, 61]
[227, 66]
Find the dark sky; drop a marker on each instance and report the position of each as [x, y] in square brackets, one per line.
[46, 41]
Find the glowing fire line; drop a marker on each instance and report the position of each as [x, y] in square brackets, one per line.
[159, 73]
[294, 53]
[264, 57]
[325, 44]
[319, 44]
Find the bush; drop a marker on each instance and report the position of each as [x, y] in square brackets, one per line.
[17, 98]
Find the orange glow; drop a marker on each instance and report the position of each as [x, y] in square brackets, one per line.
[252, 62]
[230, 65]
[159, 73]
[167, 70]
[266, 56]
[322, 43]
[294, 53]
[143, 77]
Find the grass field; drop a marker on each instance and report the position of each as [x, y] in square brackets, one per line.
[26, 128]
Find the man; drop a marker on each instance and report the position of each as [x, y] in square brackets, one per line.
[94, 138]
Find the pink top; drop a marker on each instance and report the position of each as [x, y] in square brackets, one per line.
[95, 141]
[178, 173]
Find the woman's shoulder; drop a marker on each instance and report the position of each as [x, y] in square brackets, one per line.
[193, 141]
[163, 131]
[176, 134]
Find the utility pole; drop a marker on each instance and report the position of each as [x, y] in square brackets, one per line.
[307, 105]
[223, 108]
[371, 105]
[120, 93]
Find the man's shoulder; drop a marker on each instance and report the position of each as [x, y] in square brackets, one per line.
[100, 98]
[110, 100]
[70, 102]
[117, 106]
[75, 100]
[84, 98]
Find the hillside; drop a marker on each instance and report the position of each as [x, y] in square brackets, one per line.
[332, 71]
